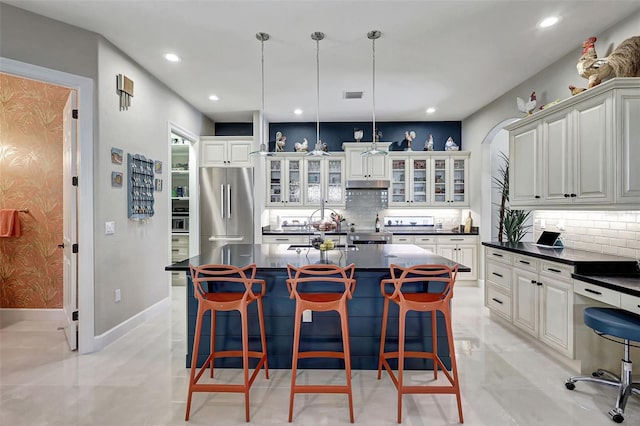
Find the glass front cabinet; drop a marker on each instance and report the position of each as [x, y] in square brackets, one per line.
[284, 186]
[410, 180]
[325, 176]
[450, 180]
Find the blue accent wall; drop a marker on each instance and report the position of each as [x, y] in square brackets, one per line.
[335, 133]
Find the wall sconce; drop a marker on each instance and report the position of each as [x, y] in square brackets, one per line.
[124, 86]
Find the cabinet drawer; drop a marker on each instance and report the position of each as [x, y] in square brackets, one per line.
[601, 294]
[403, 239]
[557, 270]
[179, 253]
[499, 255]
[498, 301]
[630, 303]
[285, 239]
[457, 240]
[499, 274]
[525, 262]
[179, 241]
[423, 240]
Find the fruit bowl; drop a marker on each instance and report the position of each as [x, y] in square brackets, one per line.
[324, 225]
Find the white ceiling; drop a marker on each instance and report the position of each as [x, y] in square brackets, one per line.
[456, 56]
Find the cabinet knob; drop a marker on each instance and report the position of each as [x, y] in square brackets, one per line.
[573, 195]
[537, 196]
[566, 195]
[539, 283]
[534, 282]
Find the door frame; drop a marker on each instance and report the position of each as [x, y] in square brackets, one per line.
[85, 260]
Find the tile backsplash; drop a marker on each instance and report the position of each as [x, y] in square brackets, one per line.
[610, 232]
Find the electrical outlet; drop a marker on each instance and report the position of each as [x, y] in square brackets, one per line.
[306, 316]
[118, 295]
[109, 228]
[560, 226]
[543, 223]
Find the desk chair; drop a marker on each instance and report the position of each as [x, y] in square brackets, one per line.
[623, 325]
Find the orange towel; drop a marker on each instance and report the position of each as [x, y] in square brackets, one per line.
[9, 223]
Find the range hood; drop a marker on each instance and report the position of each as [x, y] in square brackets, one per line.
[368, 184]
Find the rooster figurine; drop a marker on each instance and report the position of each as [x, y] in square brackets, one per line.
[302, 147]
[527, 107]
[624, 61]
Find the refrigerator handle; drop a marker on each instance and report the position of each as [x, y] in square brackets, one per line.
[228, 201]
[222, 201]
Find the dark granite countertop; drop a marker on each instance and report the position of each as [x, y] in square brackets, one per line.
[266, 231]
[610, 271]
[377, 257]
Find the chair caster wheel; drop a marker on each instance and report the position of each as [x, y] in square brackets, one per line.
[616, 417]
[570, 385]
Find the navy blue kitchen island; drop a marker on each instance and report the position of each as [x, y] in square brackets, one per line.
[323, 332]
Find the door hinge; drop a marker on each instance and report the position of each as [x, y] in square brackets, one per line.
[74, 248]
[74, 181]
[74, 114]
[74, 316]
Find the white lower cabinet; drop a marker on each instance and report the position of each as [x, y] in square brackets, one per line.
[179, 252]
[285, 239]
[539, 294]
[463, 250]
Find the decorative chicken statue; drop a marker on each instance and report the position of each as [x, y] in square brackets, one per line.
[529, 106]
[428, 146]
[302, 147]
[281, 141]
[624, 61]
[409, 136]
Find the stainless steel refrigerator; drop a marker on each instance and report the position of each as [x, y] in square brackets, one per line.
[226, 207]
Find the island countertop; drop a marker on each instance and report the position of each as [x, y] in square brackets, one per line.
[370, 257]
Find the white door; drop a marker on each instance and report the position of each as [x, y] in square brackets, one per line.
[69, 226]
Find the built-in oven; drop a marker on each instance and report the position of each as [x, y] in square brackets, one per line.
[358, 238]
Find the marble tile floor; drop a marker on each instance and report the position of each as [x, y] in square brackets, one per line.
[141, 380]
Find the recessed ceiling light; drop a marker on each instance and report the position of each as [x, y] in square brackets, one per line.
[548, 22]
[214, 98]
[297, 111]
[431, 110]
[172, 57]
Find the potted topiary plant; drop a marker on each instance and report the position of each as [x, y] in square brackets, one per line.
[511, 223]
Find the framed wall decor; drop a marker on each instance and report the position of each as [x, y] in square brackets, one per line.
[157, 167]
[116, 179]
[116, 155]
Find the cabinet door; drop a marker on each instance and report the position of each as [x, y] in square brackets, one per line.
[399, 177]
[275, 181]
[628, 149]
[238, 153]
[524, 166]
[525, 301]
[214, 153]
[467, 256]
[449, 251]
[294, 176]
[356, 163]
[556, 154]
[459, 171]
[419, 181]
[439, 179]
[593, 177]
[334, 195]
[556, 314]
[313, 190]
[377, 167]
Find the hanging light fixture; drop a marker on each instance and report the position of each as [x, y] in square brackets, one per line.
[374, 151]
[318, 149]
[264, 148]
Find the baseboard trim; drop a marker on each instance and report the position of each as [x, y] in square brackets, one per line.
[103, 340]
[12, 315]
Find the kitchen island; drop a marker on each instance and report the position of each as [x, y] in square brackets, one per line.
[365, 309]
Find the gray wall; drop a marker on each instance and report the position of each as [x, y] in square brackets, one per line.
[134, 258]
[550, 84]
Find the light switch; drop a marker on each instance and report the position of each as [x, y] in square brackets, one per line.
[109, 228]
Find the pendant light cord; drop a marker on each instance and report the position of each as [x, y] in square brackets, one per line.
[317, 90]
[373, 94]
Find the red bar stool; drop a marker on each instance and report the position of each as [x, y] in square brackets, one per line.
[234, 293]
[315, 276]
[421, 301]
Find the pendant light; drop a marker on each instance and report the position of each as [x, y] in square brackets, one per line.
[317, 150]
[374, 151]
[264, 148]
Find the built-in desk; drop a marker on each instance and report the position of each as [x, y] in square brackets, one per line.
[544, 291]
[365, 309]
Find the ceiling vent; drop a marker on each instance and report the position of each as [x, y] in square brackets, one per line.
[353, 95]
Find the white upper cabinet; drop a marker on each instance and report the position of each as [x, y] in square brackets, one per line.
[449, 179]
[225, 151]
[360, 167]
[582, 151]
[409, 179]
[325, 177]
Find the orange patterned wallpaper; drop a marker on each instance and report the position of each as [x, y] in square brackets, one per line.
[31, 177]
